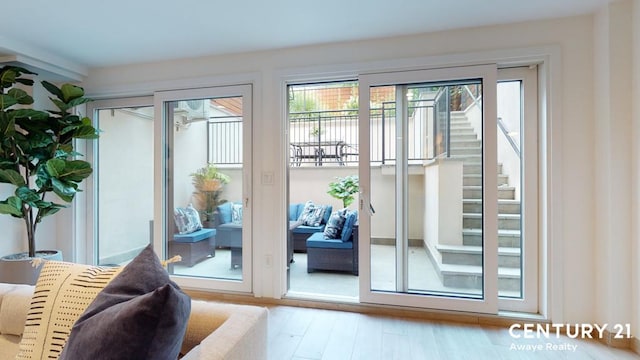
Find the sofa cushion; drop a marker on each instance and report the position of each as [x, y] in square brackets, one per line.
[236, 213]
[224, 212]
[314, 215]
[304, 229]
[327, 214]
[294, 211]
[187, 219]
[350, 220]
[202, 234]
[333, 229]
[141, 314]
[62, 293]
[13, 313]
[317, 240]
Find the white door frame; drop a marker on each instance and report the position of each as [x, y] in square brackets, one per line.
[489, 302]
[162, 163]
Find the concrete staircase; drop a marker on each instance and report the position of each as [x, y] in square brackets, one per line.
[461, 265]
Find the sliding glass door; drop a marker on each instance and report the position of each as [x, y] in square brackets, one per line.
[120, 218]
[204, 185]
[427, 144]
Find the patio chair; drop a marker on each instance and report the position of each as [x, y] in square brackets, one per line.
[335, 254]
[344, 152]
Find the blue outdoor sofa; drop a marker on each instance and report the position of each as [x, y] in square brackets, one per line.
[229, 230]
[302, 232]
[337, 251]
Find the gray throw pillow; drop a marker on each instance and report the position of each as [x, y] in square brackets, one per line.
[141, 314]
[335, 224]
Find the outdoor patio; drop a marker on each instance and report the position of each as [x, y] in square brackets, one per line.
[333, 285]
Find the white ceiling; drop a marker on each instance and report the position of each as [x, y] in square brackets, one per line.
[106, 33]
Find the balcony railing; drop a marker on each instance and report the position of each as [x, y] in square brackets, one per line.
[330, 137]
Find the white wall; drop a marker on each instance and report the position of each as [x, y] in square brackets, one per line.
[635, 166]
[612, 91]
[573, 168]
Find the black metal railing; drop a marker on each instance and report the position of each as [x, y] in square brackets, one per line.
[225, 141]
[331, 137]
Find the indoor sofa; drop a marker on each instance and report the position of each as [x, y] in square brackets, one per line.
[83, 312]
[214, 330]
[302, 231]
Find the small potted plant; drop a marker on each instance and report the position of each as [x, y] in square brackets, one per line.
[344, 189]
[37, 158]
[209, 183]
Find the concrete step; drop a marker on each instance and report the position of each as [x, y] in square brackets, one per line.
[505, 206]
[463, 137]
[455, 131]
[505, 221]
[476, 179]
[470, 277]
[460, 143]
[475, 192]
[474, 158]
[476, 168]
[458, 115]
[506, 238]
[466, 151]
[472, 255]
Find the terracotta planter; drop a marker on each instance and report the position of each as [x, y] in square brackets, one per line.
[17, 268]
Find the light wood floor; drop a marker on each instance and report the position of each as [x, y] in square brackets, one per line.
[302, 333]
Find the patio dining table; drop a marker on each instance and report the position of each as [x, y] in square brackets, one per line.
[317, 150]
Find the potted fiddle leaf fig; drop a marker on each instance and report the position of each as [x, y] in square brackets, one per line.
[344, 189]
[37, 156]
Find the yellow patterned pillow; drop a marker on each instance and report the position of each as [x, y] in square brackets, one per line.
[62, 293]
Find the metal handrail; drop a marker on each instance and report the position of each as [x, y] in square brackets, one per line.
[504, 130]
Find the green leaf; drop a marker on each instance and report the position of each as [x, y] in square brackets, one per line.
[55, 167]
[54, 90]
[49, 210]
[24, 81]
[71, 92]
[8, 76]
[7, 101]
[27, 195]
[11, 206]
[7, 127]
[28, 113]
[12, 177]
[76, 170]
[78, 101]
[64, 189]
[21, 96]
[86, 132]
[60, 104]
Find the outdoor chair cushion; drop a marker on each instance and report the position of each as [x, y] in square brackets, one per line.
[350, 220]
[202, 234]
[317, 240]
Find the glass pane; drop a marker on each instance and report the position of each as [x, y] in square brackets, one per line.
[125, 182]
[323, 143]
[510, 246]
[206, 230]
[383, 183]
[426, 182]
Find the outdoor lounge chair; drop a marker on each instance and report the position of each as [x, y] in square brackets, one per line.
[339, 254]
